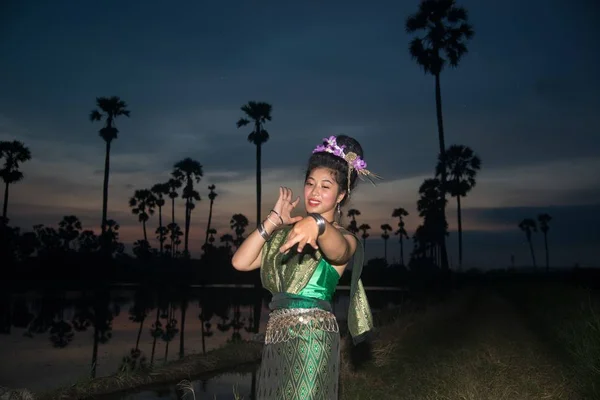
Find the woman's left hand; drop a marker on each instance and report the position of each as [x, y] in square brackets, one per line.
[302, 233]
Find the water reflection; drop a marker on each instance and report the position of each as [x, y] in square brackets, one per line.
[62, 336]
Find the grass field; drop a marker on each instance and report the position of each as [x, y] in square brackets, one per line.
[485, 344]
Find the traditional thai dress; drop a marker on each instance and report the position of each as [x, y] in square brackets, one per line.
[301, 356]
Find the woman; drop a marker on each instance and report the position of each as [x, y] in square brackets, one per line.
[301, 261]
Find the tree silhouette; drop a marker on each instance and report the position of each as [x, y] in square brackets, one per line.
[142, 204]
[544, 220]
[400, 213]
[529, 226]
[430, 235]
[69, 229]
[365, 233]
[159, 190]
[257, 113]
[446, 30]
[353, 226]
[188, 171]
[238, 224]
[461, 169]
[212, 195]
[13, 154]
[385, 235]
[109, 108]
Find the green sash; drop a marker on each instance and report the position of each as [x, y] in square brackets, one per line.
[285, 275]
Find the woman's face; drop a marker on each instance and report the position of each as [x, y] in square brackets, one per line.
[321, 191]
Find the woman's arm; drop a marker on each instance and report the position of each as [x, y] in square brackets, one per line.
[248, 256]
[337, 248]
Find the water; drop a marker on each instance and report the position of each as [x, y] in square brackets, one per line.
[47, 338]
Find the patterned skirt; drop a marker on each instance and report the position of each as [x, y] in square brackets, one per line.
[301, 356]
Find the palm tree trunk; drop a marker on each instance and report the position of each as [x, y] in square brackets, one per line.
[139, 336]
[546, 245]
[258, 183]
[154, 341]
[460, 249]
[209, 221]
[162, 238]
[104, 240]
[532, 253]
[5, 207]
[188, 212]
[202, 332]
[95, 351]
[401, 250]
[173, 225]
[440, 123]
[184, 306]
[145, 234]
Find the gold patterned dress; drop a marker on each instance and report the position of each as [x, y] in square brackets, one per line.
[301, 356]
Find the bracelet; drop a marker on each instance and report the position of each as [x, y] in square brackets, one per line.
[276, 213]
[320, 222]
[263, 232]
[272, 223]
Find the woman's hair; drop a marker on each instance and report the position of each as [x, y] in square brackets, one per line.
[337, 164]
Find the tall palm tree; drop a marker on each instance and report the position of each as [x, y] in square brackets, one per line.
[188, 171]
[385, 235]
[529, 226]
[109, 108]
[13, 153]
[365, 233]
[446, 29]
[461, 169]
[211, 196]
[544, 220]
[258, 113]
[353, 227]
[159, 190]
[142, 204]
[400, 213]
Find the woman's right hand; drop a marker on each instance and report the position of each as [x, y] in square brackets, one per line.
[284, 207]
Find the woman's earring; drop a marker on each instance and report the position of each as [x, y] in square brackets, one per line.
[339, 210]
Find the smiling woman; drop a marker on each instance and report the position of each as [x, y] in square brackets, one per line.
[301, 261]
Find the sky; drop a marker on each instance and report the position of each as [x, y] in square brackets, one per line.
[524, 99]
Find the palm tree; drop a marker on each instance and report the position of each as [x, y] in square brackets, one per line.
[400, 213]
[188, 171]
[353, 227]
[461, 169]
[211, 196]
[529, 226]
[544, 219]
[258, 113]
[238, 224]
[228, 240]
[142, 204]
[110, 108]
[13, 153]
[446, 30]
[431, 206]
[159, 190]
[385, 235]
[365, 234]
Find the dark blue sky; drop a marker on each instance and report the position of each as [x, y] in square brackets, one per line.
[524, 98]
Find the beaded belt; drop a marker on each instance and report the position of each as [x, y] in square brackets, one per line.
[288, 323]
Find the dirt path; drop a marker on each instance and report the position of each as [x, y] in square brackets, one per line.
[474, 348]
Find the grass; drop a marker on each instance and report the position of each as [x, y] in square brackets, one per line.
[568, 319]
[474, 347]
[224, 358]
